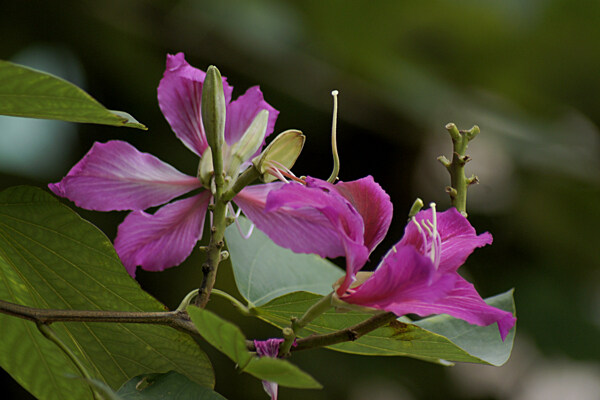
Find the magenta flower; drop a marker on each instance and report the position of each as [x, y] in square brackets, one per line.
[346, 219]
[269, 348]
[418, 275]
[116, 176]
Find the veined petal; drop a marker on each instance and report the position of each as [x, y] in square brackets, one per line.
[307, 219]
[458, 237]
[242, 111]
[465, 303]
[403, 277]
[116, 176]
[164, 239]
[373, 204]
[179, 98]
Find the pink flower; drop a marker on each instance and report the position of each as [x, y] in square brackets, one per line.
[268, 348]
[417, 276]
[346, 219]
[116, 176]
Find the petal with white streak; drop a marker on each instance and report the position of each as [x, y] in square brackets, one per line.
[116, 176]
[164, 239]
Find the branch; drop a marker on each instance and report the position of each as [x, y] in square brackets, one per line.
[217, 234]
[349, 334]
[175, 319]
[181, 321]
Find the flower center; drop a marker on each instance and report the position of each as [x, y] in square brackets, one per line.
[432, 240]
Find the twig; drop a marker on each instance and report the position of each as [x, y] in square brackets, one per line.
[175, 319]
[349, 334]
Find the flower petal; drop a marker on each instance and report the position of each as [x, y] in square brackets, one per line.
[373, 204]
[116, 176]
[403, 277]
[458, 237]
[268, 348]
[242, 111]
[465, 303]
[165, 239]
[307, 219]
[179, 98]
[271, 388]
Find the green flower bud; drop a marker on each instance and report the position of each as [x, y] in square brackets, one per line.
[282, 152]
[213, 109]
[249, 143]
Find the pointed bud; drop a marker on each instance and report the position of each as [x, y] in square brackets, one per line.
[213, 108]
[249, 143]
[282, 151]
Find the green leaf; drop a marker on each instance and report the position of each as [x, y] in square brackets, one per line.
[169, 386]
[51, 258]
[264, 271]
[228, 339]
[223, 335]
[282, 372]
[26, 92]
[441, 339]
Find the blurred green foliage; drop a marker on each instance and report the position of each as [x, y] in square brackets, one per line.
[525, 72]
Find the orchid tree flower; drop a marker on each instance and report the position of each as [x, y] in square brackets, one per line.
[116, 176]
[432, 249]
[269, 348]
[332, 220]
[417, 276]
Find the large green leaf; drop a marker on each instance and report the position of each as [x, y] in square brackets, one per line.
[440, 339]
[26, 92]
[264, 271]
[51, 258]
[228, 339]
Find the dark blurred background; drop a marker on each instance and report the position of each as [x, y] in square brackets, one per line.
[526, 72]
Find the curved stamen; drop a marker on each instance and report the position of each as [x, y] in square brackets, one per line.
[436, 244]
[336, 158]
[421, 232]
[280, 171]
[237, 222]
[277, 174]
[432, 242]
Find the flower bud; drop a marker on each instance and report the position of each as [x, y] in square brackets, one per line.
[249, 143]
[213, 108]
[283, 151]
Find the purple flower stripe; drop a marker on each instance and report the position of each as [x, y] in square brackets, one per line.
[116, 176]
